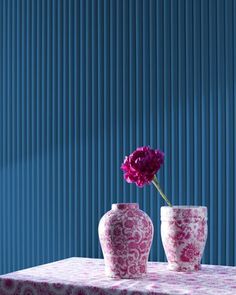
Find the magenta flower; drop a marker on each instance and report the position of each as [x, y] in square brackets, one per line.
[141, 166]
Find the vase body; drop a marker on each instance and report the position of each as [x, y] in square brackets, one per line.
[125, 234]
[184, 234]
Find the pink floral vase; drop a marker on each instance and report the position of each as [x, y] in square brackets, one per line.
[184, 234]
[125, 234]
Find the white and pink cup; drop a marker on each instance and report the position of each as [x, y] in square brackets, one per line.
[184, 235]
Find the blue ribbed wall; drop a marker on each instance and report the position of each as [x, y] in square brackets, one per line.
[82, 83]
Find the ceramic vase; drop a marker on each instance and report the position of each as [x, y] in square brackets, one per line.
[184, 234]
[125, 234]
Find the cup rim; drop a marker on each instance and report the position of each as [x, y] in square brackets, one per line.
[184, 207]
[182, 212]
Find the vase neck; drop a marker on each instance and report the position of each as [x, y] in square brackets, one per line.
[124, 206]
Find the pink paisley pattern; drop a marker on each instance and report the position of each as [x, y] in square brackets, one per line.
[84, 276]
[125, 234]
[184, 234]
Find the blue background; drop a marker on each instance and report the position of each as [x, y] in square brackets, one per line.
[82, 84]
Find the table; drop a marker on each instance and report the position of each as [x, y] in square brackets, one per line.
[85, 276]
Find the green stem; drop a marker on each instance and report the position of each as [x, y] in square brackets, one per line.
[157, 185]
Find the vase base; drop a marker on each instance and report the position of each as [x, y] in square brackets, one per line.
[183, 267]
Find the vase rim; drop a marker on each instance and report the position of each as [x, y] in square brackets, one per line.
[123, 206]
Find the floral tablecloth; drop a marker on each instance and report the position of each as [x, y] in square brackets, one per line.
[83, 276]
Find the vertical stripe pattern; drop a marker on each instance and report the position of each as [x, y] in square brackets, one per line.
[82, 84]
